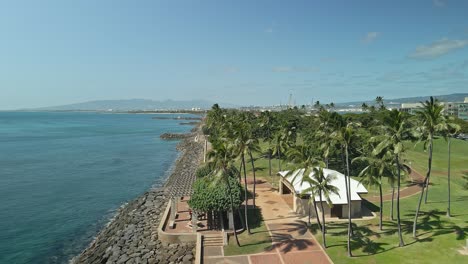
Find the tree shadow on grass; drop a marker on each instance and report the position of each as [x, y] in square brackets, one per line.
[364, 238]
[255, 218]
[433, 224]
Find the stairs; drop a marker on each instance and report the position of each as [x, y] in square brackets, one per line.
[213, 240]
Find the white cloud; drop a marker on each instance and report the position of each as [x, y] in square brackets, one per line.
[438, 48]
[439, 3]
[370, 37]
[295, 69]
[269, 30]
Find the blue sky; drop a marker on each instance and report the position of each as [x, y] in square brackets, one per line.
[241, 52]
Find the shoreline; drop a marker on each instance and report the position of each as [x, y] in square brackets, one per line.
[131, 235]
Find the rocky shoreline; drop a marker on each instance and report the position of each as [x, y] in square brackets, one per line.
[132, 235]
[174, 136]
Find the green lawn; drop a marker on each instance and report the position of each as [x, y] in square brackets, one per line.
[257, 242]
[439, 236]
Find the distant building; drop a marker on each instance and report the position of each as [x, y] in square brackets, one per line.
[458, 109]
[463, 110]
[411, 108]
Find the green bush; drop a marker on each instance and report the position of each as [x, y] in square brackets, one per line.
[211, 194]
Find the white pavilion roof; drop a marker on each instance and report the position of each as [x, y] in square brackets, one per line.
[338, 181]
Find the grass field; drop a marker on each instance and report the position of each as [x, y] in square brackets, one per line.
[439, 237]
[254, 243]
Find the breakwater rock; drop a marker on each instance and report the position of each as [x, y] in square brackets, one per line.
[132, 236]
[193, 123]
[174, 136]
[178, 118]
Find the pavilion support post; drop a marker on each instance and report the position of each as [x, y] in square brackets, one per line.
[194, 221]
[280, 187]
[231, 220]
[173, 211]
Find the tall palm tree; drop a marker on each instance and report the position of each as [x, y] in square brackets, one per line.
[364, 107]
[450, 129]
[281, 140]
[303, 156]
[326, 127]
[267, 123]
[432, 121]
[220, 158]
[321, 184]
[253, 146]
[345, 135]
[376, 167]
[391, 143]
[240, 137]
[380, 102]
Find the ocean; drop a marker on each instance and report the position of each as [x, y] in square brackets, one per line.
[63, 175]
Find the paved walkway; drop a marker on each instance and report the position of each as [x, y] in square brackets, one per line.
[292, 241]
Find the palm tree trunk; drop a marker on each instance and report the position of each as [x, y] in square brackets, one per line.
[429, 168]
[393, 199]
[240, 173]
[232, 207]
[425, 184]
[381, 207]
[246, 195]
[255, 181]
[323, 221]
[269, 160]
[345, 170]
[279, 158]
[350, 254]
[448, 177]
[400, 236]
[316, 214]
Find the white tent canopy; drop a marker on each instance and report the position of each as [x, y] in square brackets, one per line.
[294, 178]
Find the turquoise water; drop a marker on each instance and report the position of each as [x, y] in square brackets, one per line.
[63, 175]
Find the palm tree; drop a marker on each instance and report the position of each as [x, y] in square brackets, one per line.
[380, 102]
[304, 157]
[220, 158]
[391, 143]
[345, 135]
[267, 123]
[364, 107]
[253, 146]
[392, 181]
[376, 167]
[240, 137]
[432, 121]
[322, 135]
[450, 129]
[317, 105]
[280, 142]
[321, 184]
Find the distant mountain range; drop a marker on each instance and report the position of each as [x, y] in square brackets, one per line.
[145, 104]
[456, 97]
[135, 104]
